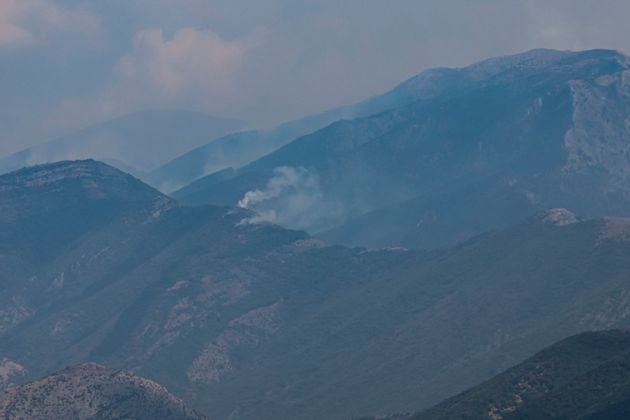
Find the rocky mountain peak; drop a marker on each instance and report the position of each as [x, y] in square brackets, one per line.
[50, 187]
[96, 178]
[46, 174]
[90, 390]
[54, 173]
[536, 58]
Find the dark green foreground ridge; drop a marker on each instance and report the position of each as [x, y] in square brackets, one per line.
[586, 376]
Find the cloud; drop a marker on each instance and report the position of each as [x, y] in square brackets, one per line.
[193, 69]
[24, 22]
[192, 60]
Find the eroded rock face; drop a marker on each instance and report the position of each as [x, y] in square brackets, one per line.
[92, 391]
[13, 314]
[247, 330]
[559, 217]
[616, 228]
[9, 371]
[601, 127]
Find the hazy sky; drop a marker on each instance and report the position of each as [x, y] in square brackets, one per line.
[65, 64]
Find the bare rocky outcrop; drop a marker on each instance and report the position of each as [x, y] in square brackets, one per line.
[559, 217]
[617, 228]
[91, 391]
[9, 371]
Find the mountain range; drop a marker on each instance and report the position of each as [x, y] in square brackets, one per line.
[188, 145]
[458, 152]
[239, 149]
[245, 319]
[442, 157]
[137, 142]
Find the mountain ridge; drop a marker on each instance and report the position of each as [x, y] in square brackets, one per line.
[125, 141]
[388, 179]
[93, 391]
[239, 149]
[242, 318]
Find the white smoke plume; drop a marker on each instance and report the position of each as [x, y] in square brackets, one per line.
[287, 199]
